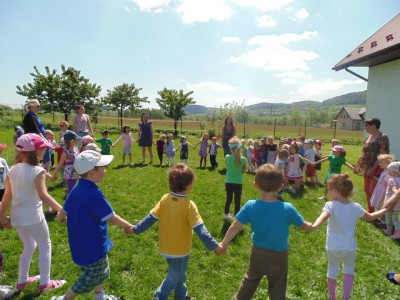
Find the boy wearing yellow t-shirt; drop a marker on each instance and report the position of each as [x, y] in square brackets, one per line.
[178, 217]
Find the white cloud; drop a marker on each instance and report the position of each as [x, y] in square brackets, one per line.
[266, 21]
[292, 77]
[193, 11]
[212, 86]
[151, 5]
[302, 14]
[127, 9]
[231, 39]
[264, 5]
[146, 57]
[316, 88]
[273, 54]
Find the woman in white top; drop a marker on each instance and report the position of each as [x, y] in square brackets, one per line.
[25, 192]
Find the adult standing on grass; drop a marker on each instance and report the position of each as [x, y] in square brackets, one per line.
[376, 143]
[145, 137]
[228, 132]
[81, 122]
[33, 124]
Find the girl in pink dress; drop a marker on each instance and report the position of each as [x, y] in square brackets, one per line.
[380, 189]
[127, 137]
[203, 150]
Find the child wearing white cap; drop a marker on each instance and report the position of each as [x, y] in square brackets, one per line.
[88, 213]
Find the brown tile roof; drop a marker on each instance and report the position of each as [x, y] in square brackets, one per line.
[381, 47]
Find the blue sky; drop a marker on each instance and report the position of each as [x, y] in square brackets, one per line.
[223, 50]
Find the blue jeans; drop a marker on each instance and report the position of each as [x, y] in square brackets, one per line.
[175, 279]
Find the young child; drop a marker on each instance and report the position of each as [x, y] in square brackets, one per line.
[50, 138]
[18, 132]
[293, 167]
[184, 145]
[178, 217]
[342, 215]
[337, 160]
[255, 159]
[25, 191]
[249, 154]
[4, 169]
[243, 147]
[310, 155]
[63, 129]
[270, 220]
[105, 143]
[213, 150]
[318, 156]
[88, 213]
[263, 153]
[170, 149]
[272, 150]
[236, 165]
[160, 144]
[378, 194]
[68, 157]
[86, 140]
[203, 149]
[127, 137]
[392, 214]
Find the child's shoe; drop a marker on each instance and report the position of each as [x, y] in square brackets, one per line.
[227, 217]
[51, 285]
[396, 235]
[322, 197]
[387, 232]
[20, 286]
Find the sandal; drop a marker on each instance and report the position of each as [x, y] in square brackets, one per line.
[390, 277]
[51, 285]
[20, 286]
[110, 297]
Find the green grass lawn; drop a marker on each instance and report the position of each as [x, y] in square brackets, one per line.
[137, 269]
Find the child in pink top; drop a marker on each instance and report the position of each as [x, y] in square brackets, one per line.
[127, 137]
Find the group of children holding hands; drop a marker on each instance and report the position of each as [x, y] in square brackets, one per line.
[87, 211]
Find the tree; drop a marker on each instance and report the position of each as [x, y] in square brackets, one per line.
[61, 92]
[124, 96]
[172, 102]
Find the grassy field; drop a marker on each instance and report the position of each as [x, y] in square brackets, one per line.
[137, 269]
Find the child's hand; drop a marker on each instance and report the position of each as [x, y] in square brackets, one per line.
[129, 229]
[62, 218]
[219, 250]
[54, 177]
[7, 224]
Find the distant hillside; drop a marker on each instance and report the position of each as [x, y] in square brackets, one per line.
[194, 109]
[346, 99]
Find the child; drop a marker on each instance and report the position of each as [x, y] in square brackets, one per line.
[170, 149]
[93, 147]
[337, 160]
[293, 167]
[213, 150]
[127, 137]
[50, 138]
[249, 154]
[378, 194]
[25, 192]
[87, 139]
[263, 154]
[310, 155]
[68, 157]
[272, 150]
[63, 129]
[88, 213]
[318, 156]
[184, 145]
[4, 169]
[178, 217]
[270, 220]
[236, 165]
[18, 132]
[342, 215]
[255, 159]
[203, 149]
[105, 143]
[392, 214]
[243, 147]
[160, 147]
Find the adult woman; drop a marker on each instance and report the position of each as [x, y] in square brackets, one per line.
[81, 122]
[228, 131]
[145, 137]
[33, 124]
[376, 143]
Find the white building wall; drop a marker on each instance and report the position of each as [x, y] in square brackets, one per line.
[383, 101]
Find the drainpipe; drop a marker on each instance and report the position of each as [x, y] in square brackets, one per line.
[355, 74]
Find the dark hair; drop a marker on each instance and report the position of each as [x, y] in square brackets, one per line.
[31, 157]
[180, 177]
[269, 178]
[226, 120]
[79, 106]
[374, 121]
[124, 128]
[141, 116]
[105, 132]
[342, 183]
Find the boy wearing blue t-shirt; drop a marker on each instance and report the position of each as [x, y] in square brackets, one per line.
[178, 217]
[270, 220]
[87, 212]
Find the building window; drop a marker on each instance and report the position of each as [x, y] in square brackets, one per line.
[343, 124]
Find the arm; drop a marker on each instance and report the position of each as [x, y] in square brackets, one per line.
[388, 203]
[62, 216]
[307, 227]
[144, 224]
[117, 141]
[205, 237]
[151, 132]
[231, 233]
[7, 197]
[59, 166]
[349, 165]
[118, 221]
[375, 215]
[306, 160]
[139, 132]
[244, 169]
[74, 123]
[41, 189]
[89, 125]
[321, 219]
[320, 161]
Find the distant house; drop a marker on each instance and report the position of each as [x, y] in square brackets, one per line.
[349, 118]
[381, 54]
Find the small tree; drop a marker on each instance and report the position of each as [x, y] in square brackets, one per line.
[124, 96]
[173, 102]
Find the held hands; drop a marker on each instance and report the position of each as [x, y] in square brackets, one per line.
[220, 250]
[129, 229]
[7, 224]
[62, 218]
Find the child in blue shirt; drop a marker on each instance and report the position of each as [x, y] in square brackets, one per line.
[88, 212]
[270, 220]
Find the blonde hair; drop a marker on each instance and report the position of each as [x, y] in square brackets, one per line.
[342, 183]
[236, 150]
[50, 132]
[250, 142]
[30, 103]
[386, 157]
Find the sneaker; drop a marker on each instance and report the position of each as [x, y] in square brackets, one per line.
[227, 217]
[20, 286]
[51, 285]
[322, 197]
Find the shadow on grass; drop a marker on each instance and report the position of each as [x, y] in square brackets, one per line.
[222, 171]
[121, 167]
[25, 297]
